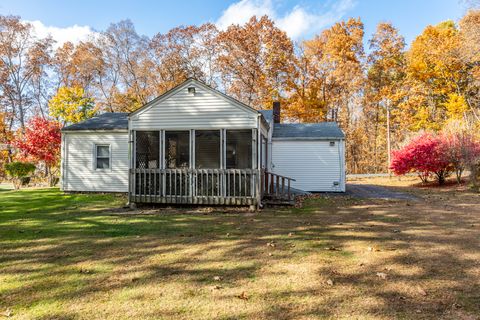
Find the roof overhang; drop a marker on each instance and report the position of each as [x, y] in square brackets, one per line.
[306, 138]
[96, 131]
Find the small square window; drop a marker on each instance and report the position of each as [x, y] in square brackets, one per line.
[332, 143]
[191, 90]
[102, 157]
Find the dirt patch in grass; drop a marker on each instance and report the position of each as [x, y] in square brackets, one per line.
[334, 258]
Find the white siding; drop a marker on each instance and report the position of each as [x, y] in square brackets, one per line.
[78, 162]
[203, 110]
[314, 164]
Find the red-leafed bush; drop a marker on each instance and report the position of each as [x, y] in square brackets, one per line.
[426, 155]
[41, 143]
[462, 151]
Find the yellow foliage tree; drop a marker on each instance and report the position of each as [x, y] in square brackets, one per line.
[456, 106]
[71, 105]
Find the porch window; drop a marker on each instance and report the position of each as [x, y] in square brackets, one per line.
[207, 149]
[239, 149]
[147, 149]
[177, 149]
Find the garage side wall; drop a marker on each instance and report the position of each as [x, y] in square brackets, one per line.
[79, 171]
[316, 165]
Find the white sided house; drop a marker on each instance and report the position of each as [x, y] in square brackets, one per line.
[196, 145]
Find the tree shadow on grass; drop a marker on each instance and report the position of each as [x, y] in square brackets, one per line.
[83, 254]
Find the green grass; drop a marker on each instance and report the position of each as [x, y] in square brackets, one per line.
[72, 257]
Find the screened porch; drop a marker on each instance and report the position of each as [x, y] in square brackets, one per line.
[197, 166]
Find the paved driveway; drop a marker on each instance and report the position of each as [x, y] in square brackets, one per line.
[376, 192]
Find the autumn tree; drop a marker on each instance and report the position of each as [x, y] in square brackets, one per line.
[254, 61]
[40, 143]
[386, 72]
[81, 65]
[126, 83]
[71, 105]
[23, 61]
[184, 52]
[307, 93]
[337, 55]
[470, 55]
[438, 77]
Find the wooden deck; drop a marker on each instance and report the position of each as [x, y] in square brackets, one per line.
[208, 186]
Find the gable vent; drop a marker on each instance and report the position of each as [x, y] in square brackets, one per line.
[191, 90]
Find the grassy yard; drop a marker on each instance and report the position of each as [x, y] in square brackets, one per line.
[71, 257]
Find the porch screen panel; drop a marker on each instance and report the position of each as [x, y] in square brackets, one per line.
[239, 149]
[177, 149]
[207, 149]
[147, 149]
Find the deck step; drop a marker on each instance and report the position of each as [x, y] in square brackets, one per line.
[278, 202]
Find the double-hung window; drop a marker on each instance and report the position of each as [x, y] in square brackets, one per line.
[102, 156]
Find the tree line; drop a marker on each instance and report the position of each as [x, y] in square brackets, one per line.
[380, 95]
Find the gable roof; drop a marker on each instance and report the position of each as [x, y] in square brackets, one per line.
[187, 82]
[309, 131]
[104, 121]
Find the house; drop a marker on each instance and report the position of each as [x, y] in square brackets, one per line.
[196, 145]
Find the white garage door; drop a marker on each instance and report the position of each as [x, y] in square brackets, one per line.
[316, 165]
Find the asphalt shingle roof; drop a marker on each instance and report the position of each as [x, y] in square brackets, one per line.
[119, 121]
[323, 130]
[104, 121]
[267, 114]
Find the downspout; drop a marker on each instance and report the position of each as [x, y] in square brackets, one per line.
[259, 171]
[130, 164]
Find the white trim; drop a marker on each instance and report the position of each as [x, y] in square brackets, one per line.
[308, 139]
[94, 131]
[95, 147]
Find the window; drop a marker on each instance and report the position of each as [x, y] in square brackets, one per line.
[207, 149]
[177, 149]
[239, 149]
[147, 149]
[102, 156]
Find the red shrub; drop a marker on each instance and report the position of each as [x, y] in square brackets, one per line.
[425, 155]
[41, 142]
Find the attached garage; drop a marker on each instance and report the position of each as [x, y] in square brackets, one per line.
[312, 154]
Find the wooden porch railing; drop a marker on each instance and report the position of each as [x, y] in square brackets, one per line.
[276, 187]
[194, 186]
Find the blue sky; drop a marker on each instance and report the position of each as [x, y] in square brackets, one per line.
[72, 20]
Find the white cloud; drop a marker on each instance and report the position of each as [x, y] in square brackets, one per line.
[298, 22]
[73, 33]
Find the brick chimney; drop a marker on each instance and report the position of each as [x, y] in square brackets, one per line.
[276, 112]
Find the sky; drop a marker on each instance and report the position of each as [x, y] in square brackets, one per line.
[73, 21]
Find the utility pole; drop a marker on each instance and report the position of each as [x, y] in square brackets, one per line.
[388, 138]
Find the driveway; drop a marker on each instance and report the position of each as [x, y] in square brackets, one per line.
[370, 191]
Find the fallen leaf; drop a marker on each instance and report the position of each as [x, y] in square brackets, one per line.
[242, 296]
[332, 248]
[421, 291]
[382, 275]
[8, 313]
[217, 278]
[330, 282]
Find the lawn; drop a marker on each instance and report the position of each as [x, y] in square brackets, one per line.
[72, 257]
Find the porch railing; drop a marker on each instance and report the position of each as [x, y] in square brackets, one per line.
[194, 186]
[276, 187]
